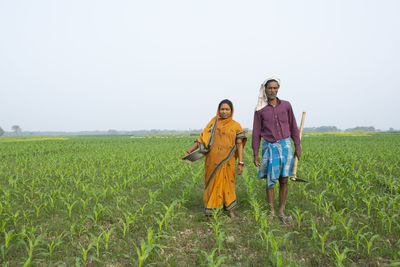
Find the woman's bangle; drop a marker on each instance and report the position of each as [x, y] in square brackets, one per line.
[241, 163]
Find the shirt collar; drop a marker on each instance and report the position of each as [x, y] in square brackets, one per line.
[277, 103]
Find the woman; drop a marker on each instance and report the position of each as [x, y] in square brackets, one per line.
[227, 145]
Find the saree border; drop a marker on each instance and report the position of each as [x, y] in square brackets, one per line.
[231, 206]
[210, 211]
[211, 141]
[241, 135]
[220, 164]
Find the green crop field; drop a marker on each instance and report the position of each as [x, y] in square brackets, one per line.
[121, 201]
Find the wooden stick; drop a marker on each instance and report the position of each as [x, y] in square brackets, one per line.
[296, 160]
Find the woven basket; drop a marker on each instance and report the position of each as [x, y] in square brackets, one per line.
[198, 153]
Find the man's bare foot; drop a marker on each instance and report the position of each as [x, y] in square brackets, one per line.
[284, 218]
[231, 214]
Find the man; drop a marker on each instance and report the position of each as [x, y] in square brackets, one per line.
[275, 123]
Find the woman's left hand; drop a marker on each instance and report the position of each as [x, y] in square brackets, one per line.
[239, 169]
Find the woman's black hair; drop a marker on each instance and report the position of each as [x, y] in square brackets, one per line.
[225, 101]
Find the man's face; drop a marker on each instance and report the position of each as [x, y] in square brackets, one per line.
[271, 90]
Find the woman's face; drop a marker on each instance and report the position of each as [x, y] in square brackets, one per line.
[225, 111]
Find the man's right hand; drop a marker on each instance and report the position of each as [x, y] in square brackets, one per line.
[256, 161]
[297, 153]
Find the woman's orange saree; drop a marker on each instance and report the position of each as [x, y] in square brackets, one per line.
[220, 163]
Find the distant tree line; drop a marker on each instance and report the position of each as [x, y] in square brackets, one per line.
[16, 129]
[321, 129]
[324, 129]
[361, 128]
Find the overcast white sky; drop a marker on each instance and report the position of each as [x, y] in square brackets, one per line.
[130, 65]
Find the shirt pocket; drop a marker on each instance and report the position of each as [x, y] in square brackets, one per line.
[283, 116]
[267, 119]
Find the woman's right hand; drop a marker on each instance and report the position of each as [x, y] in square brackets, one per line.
[185, 155]
[190, 150]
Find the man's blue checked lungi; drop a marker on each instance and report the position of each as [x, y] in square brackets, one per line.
[276, 161]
